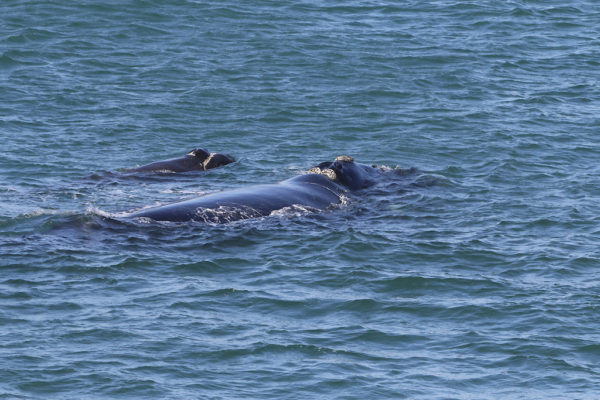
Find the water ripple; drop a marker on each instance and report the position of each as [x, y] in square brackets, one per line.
[471, 273]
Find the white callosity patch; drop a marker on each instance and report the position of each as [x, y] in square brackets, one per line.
[329, 173]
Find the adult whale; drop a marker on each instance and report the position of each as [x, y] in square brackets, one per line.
[322, 186]
[197, 159]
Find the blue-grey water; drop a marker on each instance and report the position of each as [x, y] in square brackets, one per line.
[475, 275]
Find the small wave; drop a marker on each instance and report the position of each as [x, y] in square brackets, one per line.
[7, 63]
[427, 180]
[42, 212]
[10, 189]
[184, 192]
[399, 171]
[91, 210]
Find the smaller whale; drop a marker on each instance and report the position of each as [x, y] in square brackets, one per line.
[321, 187]
[197, 159]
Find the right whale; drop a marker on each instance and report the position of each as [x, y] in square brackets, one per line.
[196, 159]
[321, 187]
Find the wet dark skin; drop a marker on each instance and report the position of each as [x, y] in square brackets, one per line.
[321, 187]
[197, 159]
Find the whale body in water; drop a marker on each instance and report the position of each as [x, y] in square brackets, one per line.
[322, 186]
[196, 159]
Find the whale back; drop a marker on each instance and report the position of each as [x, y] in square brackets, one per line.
[308, 190]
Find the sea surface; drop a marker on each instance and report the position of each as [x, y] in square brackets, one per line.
[473, 274]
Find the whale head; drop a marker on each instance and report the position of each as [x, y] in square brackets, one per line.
[345, 171]
[215, 160]
[205, 160]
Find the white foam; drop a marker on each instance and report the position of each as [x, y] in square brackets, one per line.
[42, 211]
[295, 210]
[225, 214]
[91, 210]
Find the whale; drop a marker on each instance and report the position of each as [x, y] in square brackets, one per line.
[196, 159]
[321, 187]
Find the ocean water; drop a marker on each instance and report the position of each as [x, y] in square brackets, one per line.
[474, 274]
